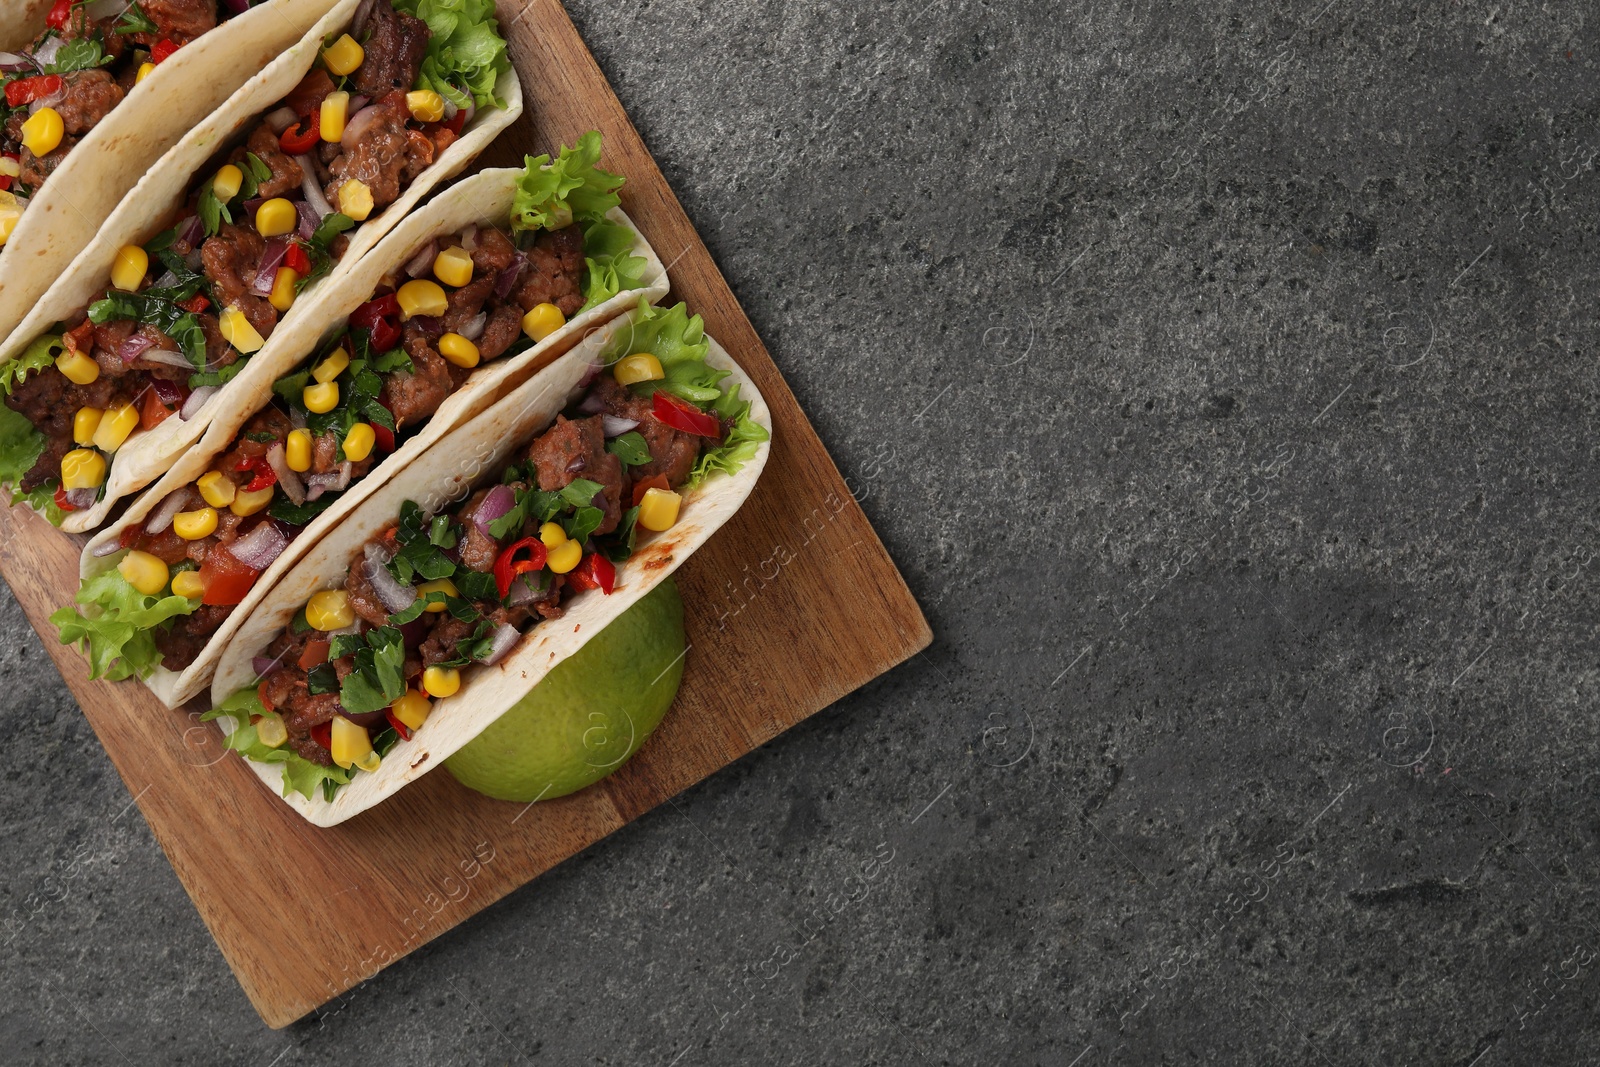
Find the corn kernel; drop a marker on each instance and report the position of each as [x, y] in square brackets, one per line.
[658, 510]
[331, 367]
[276, 217]
[10, 210]
[115, 426]
[246, 503]
[564, 557]
[369, 763]
[188, 584]
[144, 72]
[359, 441]
[43, 131]
[322, 398]
[425, 105]
[348, 742]
[411, 709]
[9, 167]
[297, 450]
[79, 368]
[441, 681]
[421, 297]
[193, 525]
[282, 295]
[225, 186]
[335, 109]
[453, 266]
[343, 56]
[84, 424]
[144, 572]
[127, 270]
[270, 730]
[83, 468]
[441, 585]
[552, 535]
[639, 367]
[355, 199]
[458, 350]
[542, 320]
[236, 329]
[217, 489]
[329, 610]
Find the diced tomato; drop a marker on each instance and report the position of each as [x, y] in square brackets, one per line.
[130, 536]
[384, 307]
[456, 122]
[655, 481]
[384, 437]
[296, 259]
[153, 412]
[227, 580]
[316, 654]
[595, 572]
[60, 12]
[61, 502]
[80, 338]
[5, 179]
[441, 135]
[399, 727]
[27, 90]
[196, 303]
[308, 95]
[682, 415]
[507, 566]
[265, 476]
[385, 335]
[248, 463]
[322, 734]
[163, 50]
[298, 144]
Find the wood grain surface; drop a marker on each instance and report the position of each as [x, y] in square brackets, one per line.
[791, 606]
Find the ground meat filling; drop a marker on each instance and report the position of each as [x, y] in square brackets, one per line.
[286, 173]
[395, 46]
[554, 273]
[179, 21]
[230, 259]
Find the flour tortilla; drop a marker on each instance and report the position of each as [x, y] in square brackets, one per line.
[448, 473]
[485, 199]
[21, 21]
[63, 217]
[147, 454]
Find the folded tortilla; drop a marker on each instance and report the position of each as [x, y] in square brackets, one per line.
[483, 199]
[148, 454]
[64, 216]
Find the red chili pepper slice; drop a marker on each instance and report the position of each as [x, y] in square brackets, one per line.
[384, 307]
[595, 572]
[298, 144]
[383, 437]
[27, 90]
[315, 654]
[454, 125]
[399, 727]
[249, 463]
[655, 481]
[163, 49]
[265, 476]
[322, 734]
[507, 566]
[6, 179]
[297, 260]
[61, 502]
[196, 303]
[261, 695]
[129, 537]
[682, 415]
[385, 335]
[60, 12]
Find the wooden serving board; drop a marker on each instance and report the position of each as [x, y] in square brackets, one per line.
[791, 606]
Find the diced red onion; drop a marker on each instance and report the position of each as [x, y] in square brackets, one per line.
[334, 481]
[450, 109]
[505, 636]
[46, 101]
[167, 392]
[414, 633]
[10, 62]
[265, 665]
[506, 280]
[166, 356]
[432, 326]
[616, 427]
[578, 463]
[308, 220]
[111, 546]
[357, 125]
[168, 278]
[197, 400]
[250, 207]
[81, 498]
[288, 480]
[471, 109]
[102, 9]
[367, 719]
[258, 548]
[358, 102]
[593, 404]
[193, 259]
[523, 591]
[395, 595]
[297, 418]
[135, 344]
[474, 327]
[267, 269]
[312, 188]
[494, 505]
[469, 237]
[193, 231]
[281, 119]
[422, 262]
[363, 13]
[161, 517]
[45, 54]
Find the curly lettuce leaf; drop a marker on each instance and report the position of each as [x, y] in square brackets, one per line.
[20, 446]
[42, 498]
[466, 54]
[612, 266]
[551, 196]
[35, 357]
[739, 447]
[118, 637]
[299, 774]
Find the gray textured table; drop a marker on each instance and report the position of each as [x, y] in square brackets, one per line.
[1224, 383]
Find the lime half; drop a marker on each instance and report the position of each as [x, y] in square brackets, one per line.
[589, 715]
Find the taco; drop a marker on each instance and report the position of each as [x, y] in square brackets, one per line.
[447, 313]
[94, 93]
[455, 587]
[210, 272]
